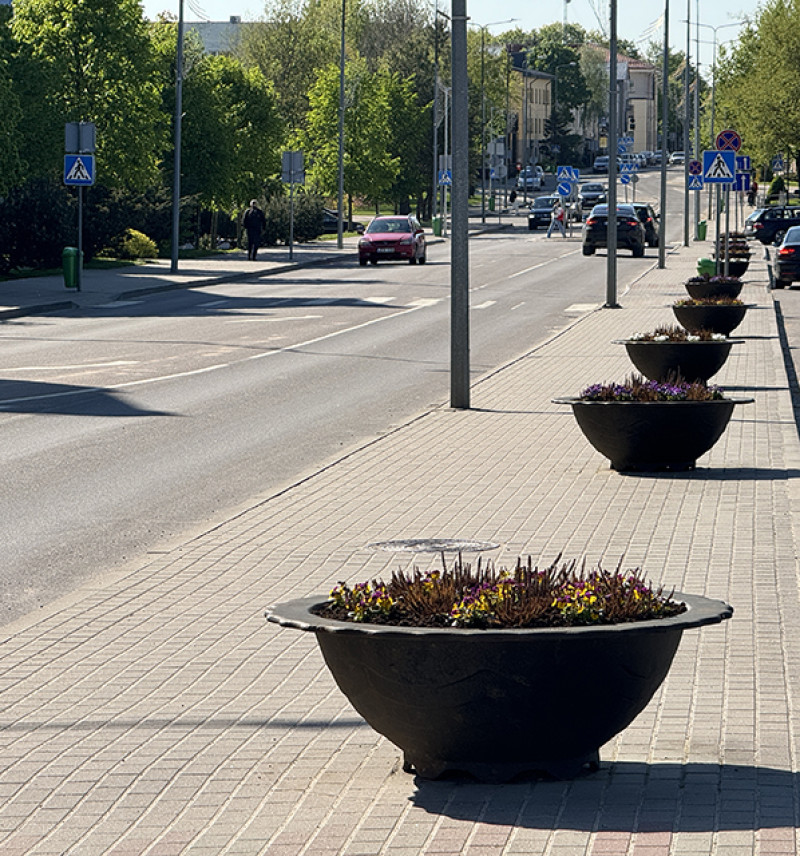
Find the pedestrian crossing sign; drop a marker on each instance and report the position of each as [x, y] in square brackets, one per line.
[79, 170]
[695, 182]
[719, 167]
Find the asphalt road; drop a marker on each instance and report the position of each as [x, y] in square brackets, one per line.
[130, 427]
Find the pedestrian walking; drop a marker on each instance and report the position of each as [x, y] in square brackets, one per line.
[254, 222]
[512, 198]
[557, 220]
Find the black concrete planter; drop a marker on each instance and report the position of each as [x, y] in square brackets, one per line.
[717, 318]
[691, 360]
[497, 703]
[704, 290]
[736, 266]
[649, 436]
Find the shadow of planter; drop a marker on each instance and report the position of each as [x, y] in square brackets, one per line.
[650, 436]
[718, 319]
[691, 360]
[499, 703]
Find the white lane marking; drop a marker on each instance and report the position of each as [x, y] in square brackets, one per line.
[413, 307]
[518, 306]
[234, 320]
[581, 307]
[485, 305]
[542, 264]
[68, 368]
[115, 303]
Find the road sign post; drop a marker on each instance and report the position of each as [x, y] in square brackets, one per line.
[80, 139]
[293, 172]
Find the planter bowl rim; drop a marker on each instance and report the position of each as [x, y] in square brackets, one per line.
[297, 614]
[680, 304]
[725, 341]
[574, 399]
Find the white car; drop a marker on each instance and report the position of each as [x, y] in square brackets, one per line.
[530, 178]
[677, 158]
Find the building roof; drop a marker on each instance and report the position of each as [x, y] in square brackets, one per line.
[218, 37]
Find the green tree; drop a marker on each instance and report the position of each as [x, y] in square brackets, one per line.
[91, 60]
[370, 168]
[11, 168]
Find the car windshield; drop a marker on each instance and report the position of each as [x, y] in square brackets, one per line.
[592, 188]
[544, 202]
[792, 236]
[622, 211]
[389, 224]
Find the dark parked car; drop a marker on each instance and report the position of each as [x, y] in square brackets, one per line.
[649, 219]
[787, 259]
[539, 212]
[630, 230]
[392, 237]
[590, 194]
[330, 223]
[771, 224]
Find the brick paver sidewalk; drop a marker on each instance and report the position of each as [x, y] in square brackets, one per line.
[158, 713]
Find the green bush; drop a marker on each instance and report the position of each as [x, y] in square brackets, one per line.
[776, 186]
[307, 218]
[37, 220]
[136, 245]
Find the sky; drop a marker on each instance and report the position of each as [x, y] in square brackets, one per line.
[637, 20]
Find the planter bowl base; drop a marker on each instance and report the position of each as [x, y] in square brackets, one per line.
[498, 774]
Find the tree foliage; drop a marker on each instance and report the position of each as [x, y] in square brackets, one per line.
[91, 60]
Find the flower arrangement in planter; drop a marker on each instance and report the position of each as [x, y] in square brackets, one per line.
[737, 251]
[718, 314]
[700, 287]
[497, 673]
[670, 351]
[647, 425]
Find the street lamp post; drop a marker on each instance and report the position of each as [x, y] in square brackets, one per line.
[483, 28]
[554, 105]
[662, 240]
[176, 178]
[340, 195]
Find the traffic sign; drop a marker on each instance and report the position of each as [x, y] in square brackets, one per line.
[742, 181]
[445, 177]
[78, 170]
[695, 182]
[777, 163]
[719, 167]
[564, 188]
[743, 163]
[625, 178]
[695, 167]
[621, 148]
[728, 141]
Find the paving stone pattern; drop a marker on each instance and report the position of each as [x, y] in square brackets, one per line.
[156, 712]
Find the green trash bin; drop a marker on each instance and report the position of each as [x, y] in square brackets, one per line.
[706, 267]
[702, 227]
[437, 225]
[69, 263]
[492, 202]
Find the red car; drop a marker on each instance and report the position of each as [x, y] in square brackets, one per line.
[393, 237]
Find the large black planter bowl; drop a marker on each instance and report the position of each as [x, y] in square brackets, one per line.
[498, 703]
[693, 361]
[736, 267]
[717, 318]
[703, 290]
[649, 436]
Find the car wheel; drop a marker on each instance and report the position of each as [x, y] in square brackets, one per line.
[781, 283]
[413, 259]
[779, 236]
[373, 261]
[362, 262]
[654, 243]
[638, 252]
[531, 227]
[587, 250]
[423, 258]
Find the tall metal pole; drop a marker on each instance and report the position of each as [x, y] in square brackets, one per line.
[483, 125]
[611, 237]
[662, 239]
[696, 119]
[176, 179]
[459, 248]
[686, 121]
[435, 185]
[340, 195]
